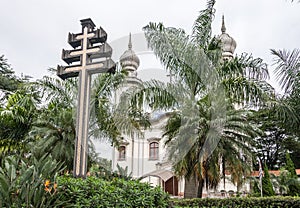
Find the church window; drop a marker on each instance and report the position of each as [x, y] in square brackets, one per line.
[153, 150]
[122, 153]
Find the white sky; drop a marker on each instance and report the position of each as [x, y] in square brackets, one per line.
[33, 32]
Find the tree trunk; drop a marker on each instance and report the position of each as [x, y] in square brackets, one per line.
[200, 188]
[190, 188]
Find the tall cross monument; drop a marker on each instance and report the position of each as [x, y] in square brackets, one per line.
[91, 54]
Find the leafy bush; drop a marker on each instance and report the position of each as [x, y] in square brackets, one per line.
[96, 192]
[29, 182]
[253, 202]
[294, 188]
[101, 172]
[267, 186]
[32, 182]
[286, 184]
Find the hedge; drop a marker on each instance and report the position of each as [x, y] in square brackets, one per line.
[244, 202]
[96, 192]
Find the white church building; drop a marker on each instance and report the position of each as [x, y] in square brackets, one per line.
[146, 156]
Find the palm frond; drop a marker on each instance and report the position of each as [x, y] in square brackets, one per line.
[287, 69]
[246, 66]
[202, 27]
[168, 44]
[248, 91]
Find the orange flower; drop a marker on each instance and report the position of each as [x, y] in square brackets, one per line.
[47, 183]
[47, 189]
[55, 186]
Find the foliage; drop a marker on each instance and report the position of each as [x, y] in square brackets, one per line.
[281, 182]
[9, 82]
[266, 183]
[107, 174]
[39, 117]
[287, 69]
[255, 190]
[294, 188]
[102, 106]
[54, 129]
[277, 139]
[16, 119]
[111, 120]
[292, 182]
[29, 182]
[54, 134]
[203, 123]
[98, 162]
[123, 172]
[288, 75]
[286, 184]
[290, 166]
[96, 192]
[292, 144]
[270, 146]
[253, 202]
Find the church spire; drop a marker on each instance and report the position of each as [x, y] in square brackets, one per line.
[129, 43]
[223, 28]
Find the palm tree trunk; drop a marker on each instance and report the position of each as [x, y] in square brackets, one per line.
[190, 188]
[200, 188]
[223, 171]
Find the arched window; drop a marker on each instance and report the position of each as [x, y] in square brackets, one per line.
[153, 150]
[122, 153]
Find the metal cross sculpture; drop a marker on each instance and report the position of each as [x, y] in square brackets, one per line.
[91, 54]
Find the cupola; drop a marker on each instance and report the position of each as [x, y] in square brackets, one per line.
[228, 44]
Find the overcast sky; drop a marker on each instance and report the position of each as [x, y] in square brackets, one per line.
[33, 32]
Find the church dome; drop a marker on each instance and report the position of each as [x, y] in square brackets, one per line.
[228, 44]
[129, 60]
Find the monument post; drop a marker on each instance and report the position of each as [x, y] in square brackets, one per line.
[91, 54]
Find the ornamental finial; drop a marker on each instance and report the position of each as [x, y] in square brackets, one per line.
[129, 43]
[223, 28]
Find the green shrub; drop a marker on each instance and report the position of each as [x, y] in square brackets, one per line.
[29, 182]
[32, 182]
[245, 202]
[294, 188]
[96, 192]
[267, 186]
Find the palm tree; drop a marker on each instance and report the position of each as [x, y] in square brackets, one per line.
[203, 122]
[287, 73]
[16, 119]
[111, 120]
[18, 108]
[54, 129]
[54, 134]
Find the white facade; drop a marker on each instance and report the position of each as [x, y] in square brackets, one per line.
[142, 155]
